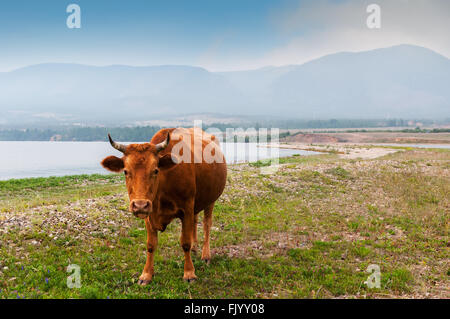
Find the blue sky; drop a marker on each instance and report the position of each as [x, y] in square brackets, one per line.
[215, 34]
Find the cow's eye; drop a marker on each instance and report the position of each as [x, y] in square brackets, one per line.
[125, 172]
[156, 171]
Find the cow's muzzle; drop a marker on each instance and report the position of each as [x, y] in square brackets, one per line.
[141, 208]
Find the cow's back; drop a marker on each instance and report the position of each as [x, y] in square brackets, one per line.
[204, 181]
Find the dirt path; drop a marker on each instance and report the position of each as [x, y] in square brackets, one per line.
[349, 151]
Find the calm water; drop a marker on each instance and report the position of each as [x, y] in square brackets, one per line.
[41, 159]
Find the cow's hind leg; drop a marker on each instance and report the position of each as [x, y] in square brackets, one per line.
[195, 244]
[152, 243]
[207, 222]
[187, 237]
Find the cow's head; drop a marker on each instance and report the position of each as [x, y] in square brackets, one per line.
[141, 164]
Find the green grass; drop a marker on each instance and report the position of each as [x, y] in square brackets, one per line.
[19, 194]
[40, 183]
[308, 231]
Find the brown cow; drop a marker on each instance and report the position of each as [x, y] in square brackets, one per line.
[161, 187]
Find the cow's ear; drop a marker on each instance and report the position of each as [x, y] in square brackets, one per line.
[167, 161]
[113, 164]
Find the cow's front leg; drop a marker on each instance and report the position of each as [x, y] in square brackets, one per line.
[152, 243]
[187, 234]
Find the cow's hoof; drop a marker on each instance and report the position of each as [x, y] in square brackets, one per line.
[145, 279]
[207, 260]
[206, 255]
[143, 282]
[189, 278]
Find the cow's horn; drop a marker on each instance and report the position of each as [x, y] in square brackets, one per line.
[163, 145]
[117, 146]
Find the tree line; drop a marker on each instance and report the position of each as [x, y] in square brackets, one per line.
[145, 133]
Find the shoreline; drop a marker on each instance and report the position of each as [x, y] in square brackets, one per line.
[343, 150]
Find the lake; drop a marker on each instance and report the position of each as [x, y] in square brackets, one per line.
[43, 159]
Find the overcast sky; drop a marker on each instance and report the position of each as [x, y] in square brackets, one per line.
[216, 34]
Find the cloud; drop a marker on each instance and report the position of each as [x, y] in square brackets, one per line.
[323, 27]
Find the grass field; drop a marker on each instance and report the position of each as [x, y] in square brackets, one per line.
[308, 231]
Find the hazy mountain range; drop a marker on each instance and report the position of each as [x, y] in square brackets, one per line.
[402, 81]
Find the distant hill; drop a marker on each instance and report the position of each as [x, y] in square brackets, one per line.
[402, 81]
[115, 93]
